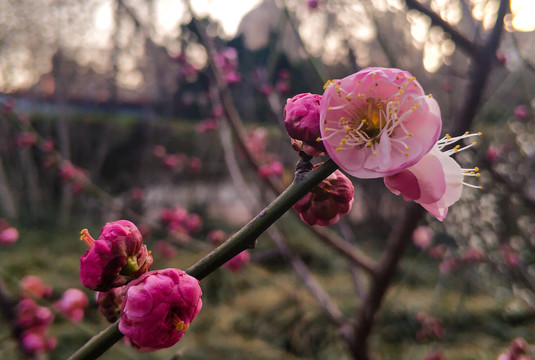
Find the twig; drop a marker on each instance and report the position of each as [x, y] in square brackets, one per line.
[468, 46]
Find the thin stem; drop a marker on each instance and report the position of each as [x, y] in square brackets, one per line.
[243, 239]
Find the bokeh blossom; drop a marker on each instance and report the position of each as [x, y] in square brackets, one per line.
[239, 261]
[34, 287]
[158, 308]
[32, 323]
[117, 257]
[9, 235]
[329, 200]
[72, 304]
[422, 237]
[436, 181]
[378, 122]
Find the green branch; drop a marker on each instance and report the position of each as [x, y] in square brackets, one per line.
[243, 239]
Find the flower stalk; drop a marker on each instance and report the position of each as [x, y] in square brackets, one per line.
[243, 239]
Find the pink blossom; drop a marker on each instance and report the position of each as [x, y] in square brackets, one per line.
[272, 169]
[166, 250]
[72, 304]
[109, 303]
[472, 255]
[521, 112]
[26, 139]
[158, 308]
[324, 204]
[216, 237]
[239, 261]
[9, 236]
[195, 165]
[206, 126]
[422, 237]
[36, 342]
[117, 257]
[492, 153]
[448, 265]
[302, 122]
[35, 287]
[137, 194]
[31, 315]
[312, 4]
[378, 122]
[159, 151]
[436, 181]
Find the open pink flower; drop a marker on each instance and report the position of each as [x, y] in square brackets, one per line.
[158, 308]
[72, 304]
[324, 204]
[436, 181]
[378, 122]
[117, 257]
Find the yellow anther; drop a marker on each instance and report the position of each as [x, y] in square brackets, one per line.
[348, 98]
[374, 74]
[337, 149]
[466, 132]
[480, 187]
[326, 129]
[374, 153]
[448, 136]
[329, 108]
[369, 144]
[409, 134]
[407, 155]
[480, 133]
[474, 142]
[318, 139]
[430, 95]
[401, 92]
[478, 175]
[476, 168]
[407, 148]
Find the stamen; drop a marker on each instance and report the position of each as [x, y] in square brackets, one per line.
[88, 239]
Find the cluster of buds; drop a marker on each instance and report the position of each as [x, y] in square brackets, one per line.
[227, 61]
[156, 307]
[379, 123]
[180, 222]
[32, 324]
[177, 162]
[256, 141]
[32, 286]
[8, 233]
[73, 175]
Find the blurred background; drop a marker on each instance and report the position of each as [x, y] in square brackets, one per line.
[110, 111]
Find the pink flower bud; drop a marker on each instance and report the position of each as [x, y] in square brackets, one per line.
[158, 308]
[72, 304]
[26, 139]
[34, 286]
[324, 204]
[117, 257]
[36, 342]
[109, 303]
[422, 237]
[521, 112]
[31, 315]
[216, 237]
[272, 169]
[9, 236]
[377, 122]
[312, 4]
[302, 119]
[239, 261]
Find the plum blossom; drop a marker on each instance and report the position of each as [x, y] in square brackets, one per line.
[436, 181]
[422, 237]
[9, 235]
[72, 304]
[117, 257]
[324, 204]
[158, 308]
[35, 287]
[239, 261]
[378, 122]
[301, 119]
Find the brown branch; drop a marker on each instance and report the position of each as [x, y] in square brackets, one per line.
[236, 124]
[463, 42]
